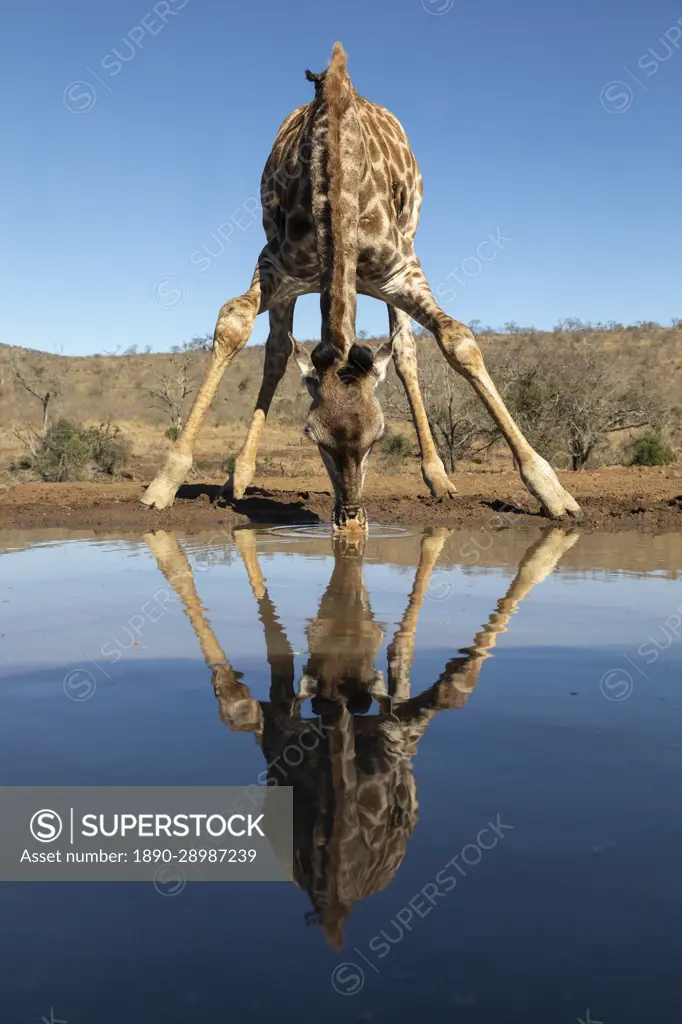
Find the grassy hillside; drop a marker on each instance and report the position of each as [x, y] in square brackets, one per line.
[118, 389]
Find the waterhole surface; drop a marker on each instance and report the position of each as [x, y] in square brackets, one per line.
[488, 831]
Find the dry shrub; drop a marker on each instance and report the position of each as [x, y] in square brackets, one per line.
[70, 451]
[567, 396]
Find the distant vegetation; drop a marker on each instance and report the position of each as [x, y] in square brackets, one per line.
[398, 446]
[652, 451]
[584, 394]
[575, 392]
[70, 451]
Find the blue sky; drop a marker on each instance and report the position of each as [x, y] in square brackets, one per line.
[117, 172]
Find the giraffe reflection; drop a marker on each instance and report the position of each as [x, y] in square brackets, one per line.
[355, 797]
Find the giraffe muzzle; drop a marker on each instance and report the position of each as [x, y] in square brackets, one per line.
[349, 519]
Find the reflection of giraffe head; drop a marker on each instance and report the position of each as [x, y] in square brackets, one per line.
[344, 638]
[354, 792]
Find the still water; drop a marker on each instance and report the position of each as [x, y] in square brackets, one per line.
[489, 829]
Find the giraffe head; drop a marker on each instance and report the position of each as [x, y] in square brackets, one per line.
[345, 419]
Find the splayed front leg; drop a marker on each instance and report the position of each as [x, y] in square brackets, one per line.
[231, 334]
[235, 322]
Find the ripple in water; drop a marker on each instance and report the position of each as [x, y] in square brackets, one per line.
[320, 531]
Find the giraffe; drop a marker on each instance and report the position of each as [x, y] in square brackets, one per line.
[341, 194]
[355, 796]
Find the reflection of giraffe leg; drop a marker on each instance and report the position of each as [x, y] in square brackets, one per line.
[235, 323]
[409, 290]
[460, 675]
[279, 653]
[277, 350]
[538, 562]
[246, 546]
[174, 564]
[401, 649]
[405, 359]
[238, 709]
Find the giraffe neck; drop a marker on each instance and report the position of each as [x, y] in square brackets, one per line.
[335, 171]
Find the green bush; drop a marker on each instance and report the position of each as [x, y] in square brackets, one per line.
[63, 453]
[110, 450]
[229, 463]
[173, 433]
[652, 451]
[397, 446]
[70, 451]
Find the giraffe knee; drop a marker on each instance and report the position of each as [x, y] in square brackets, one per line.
[461, 348]
[234, 324]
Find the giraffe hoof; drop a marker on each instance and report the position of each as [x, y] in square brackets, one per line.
[438, 482]
[442, 490]
[543, 483]
[238, 481]
[568, 512]
[163, 488]
[159, 494]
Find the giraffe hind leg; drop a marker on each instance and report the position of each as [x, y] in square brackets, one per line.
[405, 359]
[409, 291]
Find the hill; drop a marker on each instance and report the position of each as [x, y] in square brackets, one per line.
[127, 390]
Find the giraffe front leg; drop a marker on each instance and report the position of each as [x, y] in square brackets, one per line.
[238, 709]
[235, 323]
[400, 652]
[231, 334]
[277, 350]
[405, 359]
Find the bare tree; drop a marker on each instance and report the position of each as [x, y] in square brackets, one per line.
[459, 424]
[566, 393]
[173, 387]
[569, 398]
[199, 343]
[42, 384]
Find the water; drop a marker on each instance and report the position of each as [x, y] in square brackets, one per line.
[489, 832]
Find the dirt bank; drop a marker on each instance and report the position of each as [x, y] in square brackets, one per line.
[612, 499]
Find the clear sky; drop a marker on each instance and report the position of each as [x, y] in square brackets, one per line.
[134, 134]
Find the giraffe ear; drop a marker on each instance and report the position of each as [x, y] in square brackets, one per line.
[305, 363]
[381, 359]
